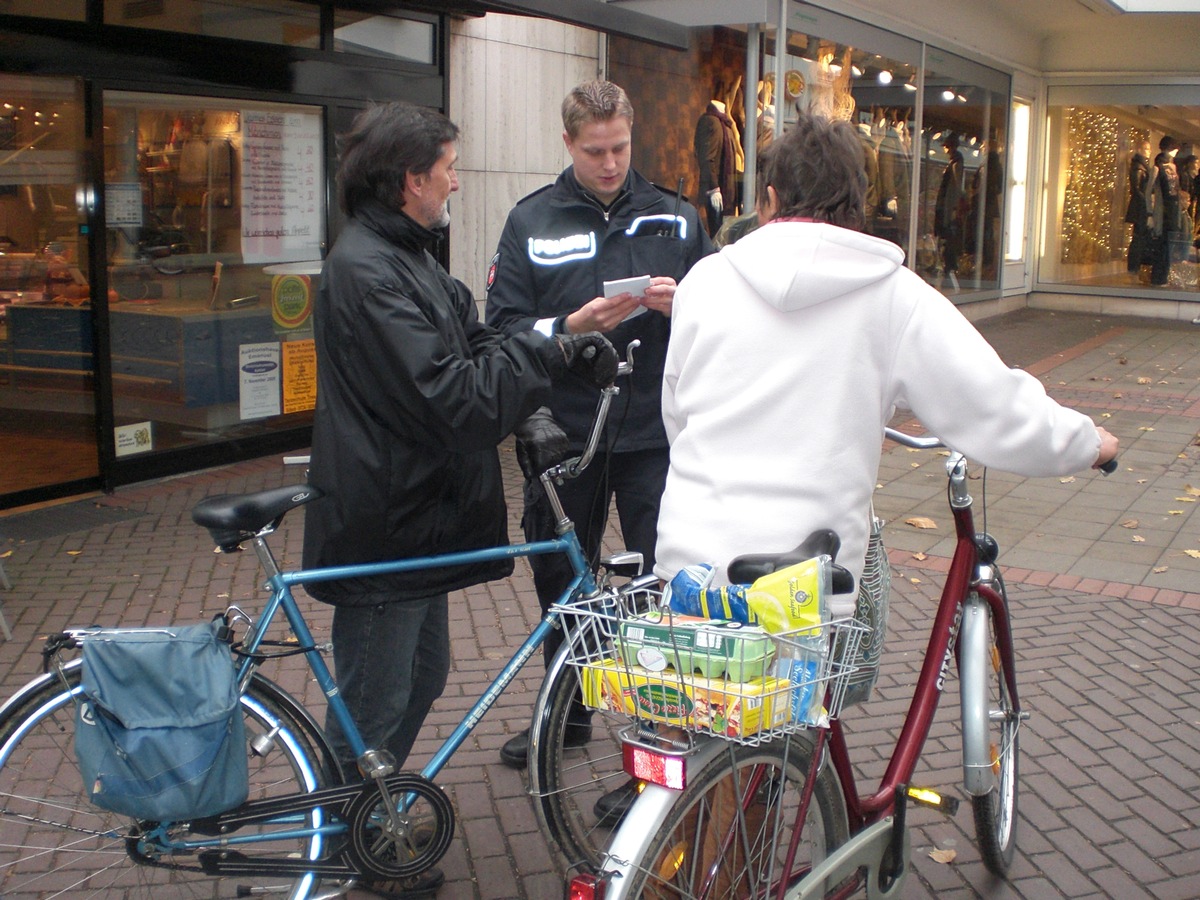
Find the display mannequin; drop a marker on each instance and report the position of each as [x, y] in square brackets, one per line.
[714, 145]
[1163, 209]
[947, 213]
[1137, 213]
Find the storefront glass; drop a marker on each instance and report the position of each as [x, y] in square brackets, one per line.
[1107, 224]
[933, 128]
[215, 213]
[47, 406]
[964, 134]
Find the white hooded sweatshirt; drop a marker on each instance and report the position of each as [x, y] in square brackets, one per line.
[790, 350]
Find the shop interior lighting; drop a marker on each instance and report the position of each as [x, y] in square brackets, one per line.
[910, 85]
[960, 98]
[948, 95]
[856, 72]
[885, 77]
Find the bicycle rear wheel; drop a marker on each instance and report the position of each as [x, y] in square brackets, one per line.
[54, 843]
[567, 779]
[991, 737]
[727, 835]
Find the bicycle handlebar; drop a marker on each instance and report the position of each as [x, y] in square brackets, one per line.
[932, 443]
[572, 468]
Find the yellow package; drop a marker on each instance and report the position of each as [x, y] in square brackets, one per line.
[712, 705]
[795, 597]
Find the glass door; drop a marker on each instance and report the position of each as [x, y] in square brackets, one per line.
[47, 373]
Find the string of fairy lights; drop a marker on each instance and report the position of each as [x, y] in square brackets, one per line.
[1090, 199]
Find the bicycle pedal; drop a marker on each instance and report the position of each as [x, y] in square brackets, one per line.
[933, 800]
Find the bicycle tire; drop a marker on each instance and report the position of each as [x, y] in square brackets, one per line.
[710, 846]
[566, 781]
[991, 737]
[54, 843]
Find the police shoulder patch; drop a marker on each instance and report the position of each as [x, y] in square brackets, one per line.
[491, 272]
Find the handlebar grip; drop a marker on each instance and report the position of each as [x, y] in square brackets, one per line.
[1109, 467]
[589, 352]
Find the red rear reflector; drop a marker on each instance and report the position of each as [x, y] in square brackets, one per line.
[587, 887]
[657, 768]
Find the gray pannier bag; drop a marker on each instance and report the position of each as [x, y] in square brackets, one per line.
[159, 733]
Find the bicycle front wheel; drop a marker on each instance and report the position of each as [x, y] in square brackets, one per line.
[569, 775]
[991, 737]
[728, 834]
[54, 843]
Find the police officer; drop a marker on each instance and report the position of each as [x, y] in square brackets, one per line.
[599, 222]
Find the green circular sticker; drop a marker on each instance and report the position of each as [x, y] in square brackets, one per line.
[291, 300]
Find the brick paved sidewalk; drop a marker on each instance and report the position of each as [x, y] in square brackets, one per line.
[1107, 632]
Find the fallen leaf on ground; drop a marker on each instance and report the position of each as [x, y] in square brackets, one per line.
[1068, 480]
[914, 581]
[919, 556]
[1194, 554]
[1174, 512]
[74, 552]
[1191, 491]
[1158, 570]
[943, 856]
[1180, 499]
[1144, 380]
[1130, 523]
[1146, 428]
[920, 522]
[1107, 415]
[1138, 539]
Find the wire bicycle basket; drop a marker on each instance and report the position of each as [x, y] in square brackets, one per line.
[712, 677]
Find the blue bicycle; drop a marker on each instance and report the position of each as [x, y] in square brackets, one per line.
[306, 831]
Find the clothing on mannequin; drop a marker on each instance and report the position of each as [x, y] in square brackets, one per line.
[714, 144]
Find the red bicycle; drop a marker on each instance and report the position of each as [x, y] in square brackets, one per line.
[779, 814]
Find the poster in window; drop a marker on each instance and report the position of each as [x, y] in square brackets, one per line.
[282, 194]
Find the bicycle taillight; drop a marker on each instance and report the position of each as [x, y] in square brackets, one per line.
[587, 887]
[648, 765]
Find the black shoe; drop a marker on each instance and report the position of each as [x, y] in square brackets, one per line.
[515, 752]
[611, 808]
[421, 886]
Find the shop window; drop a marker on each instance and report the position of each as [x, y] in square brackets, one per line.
[963, 142]
[411, 40]
[47, 418]
[286, 22]
[215, 228]
[1120, 203]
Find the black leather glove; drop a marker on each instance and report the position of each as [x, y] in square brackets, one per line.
[588, 355]
[541, 443]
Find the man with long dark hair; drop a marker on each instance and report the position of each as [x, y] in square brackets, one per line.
[413, 395]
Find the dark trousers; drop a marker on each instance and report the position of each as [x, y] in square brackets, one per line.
[392, 660]
[636, 479]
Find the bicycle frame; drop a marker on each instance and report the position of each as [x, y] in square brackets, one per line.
[967, 573]
[582, 587]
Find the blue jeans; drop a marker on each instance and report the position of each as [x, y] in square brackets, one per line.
[392, 660]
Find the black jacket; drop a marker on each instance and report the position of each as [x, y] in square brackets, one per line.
[413, 395]
[557, 249]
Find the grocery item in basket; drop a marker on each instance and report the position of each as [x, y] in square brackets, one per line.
[793, 597]
[710, 705]
[690, 644]
[690, 592]
[802, 667]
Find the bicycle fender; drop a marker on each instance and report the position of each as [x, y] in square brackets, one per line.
[643, 821]
[974, 662]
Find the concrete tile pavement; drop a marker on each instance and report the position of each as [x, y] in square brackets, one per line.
[1107, 628]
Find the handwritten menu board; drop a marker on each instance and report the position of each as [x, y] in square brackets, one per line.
[282, 192]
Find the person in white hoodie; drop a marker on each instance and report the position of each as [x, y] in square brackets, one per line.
[790, 351]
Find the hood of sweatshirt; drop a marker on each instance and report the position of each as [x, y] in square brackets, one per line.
[811, 262]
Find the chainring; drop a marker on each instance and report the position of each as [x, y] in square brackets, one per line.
[414, 840]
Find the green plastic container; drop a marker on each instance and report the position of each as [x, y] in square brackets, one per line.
[711, 647]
